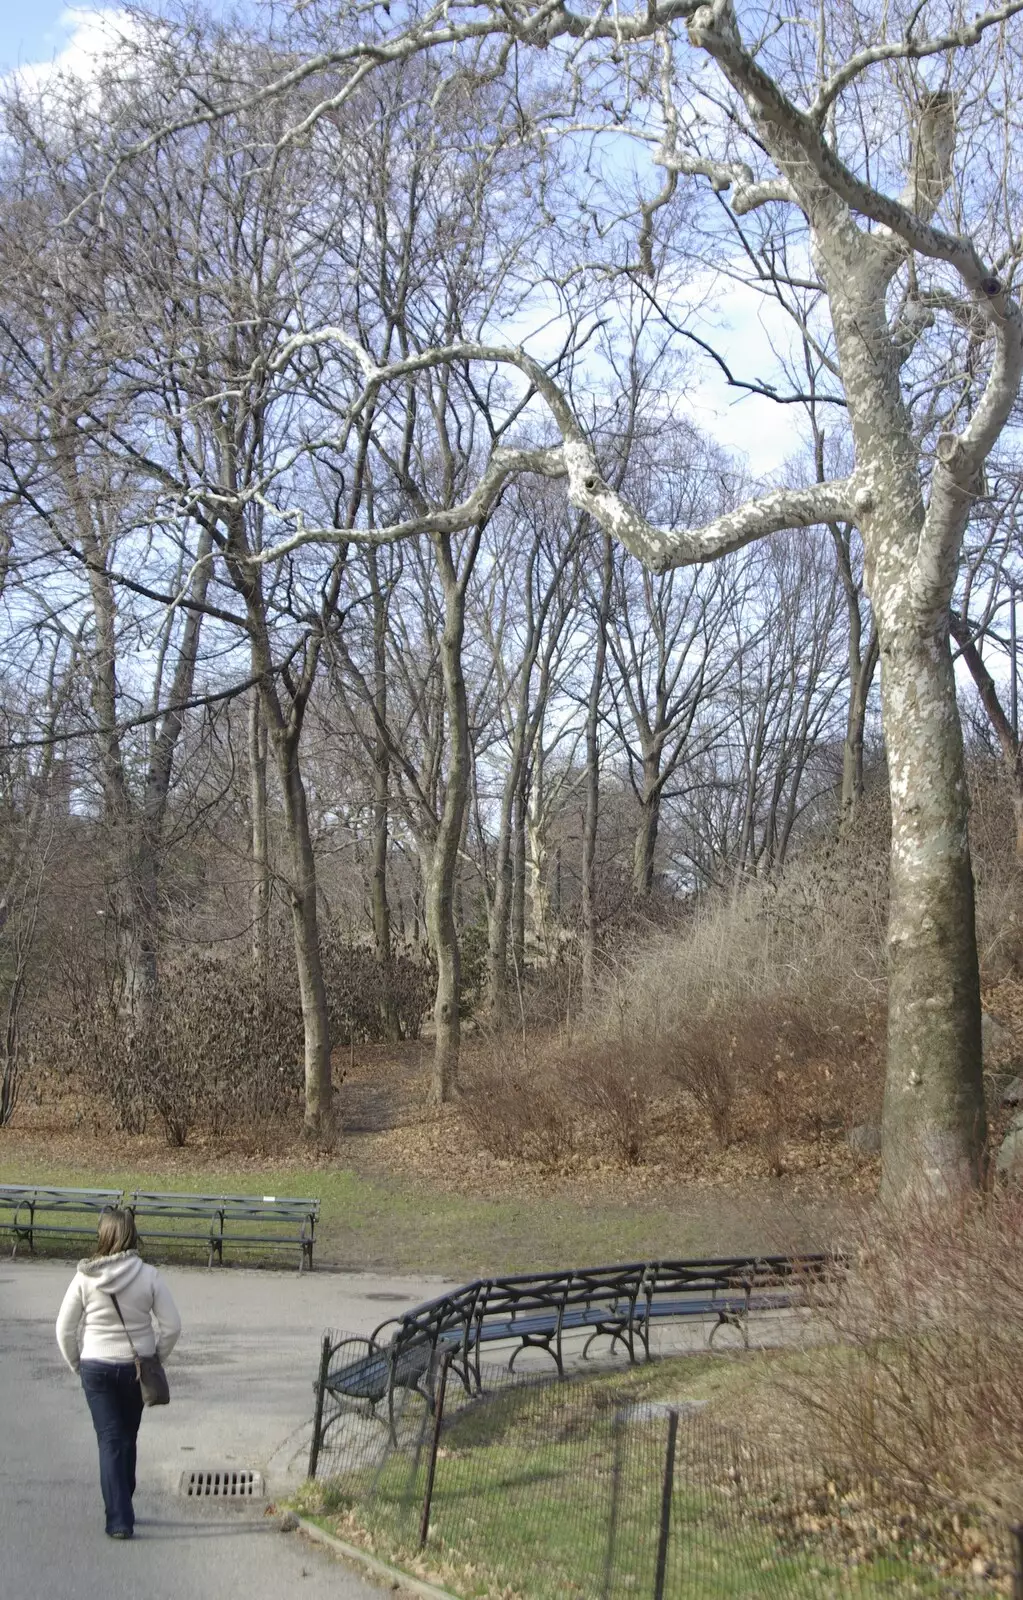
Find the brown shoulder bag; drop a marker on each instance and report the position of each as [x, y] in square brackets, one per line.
[152, 1377]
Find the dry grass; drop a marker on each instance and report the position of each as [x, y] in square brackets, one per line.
[755, 1032]
[757, 1028]
[924, 1398]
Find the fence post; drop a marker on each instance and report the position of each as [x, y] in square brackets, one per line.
[1016, 1532]
[618, 1451]
[431, 1465]
[321, 1388]
[669, 1483]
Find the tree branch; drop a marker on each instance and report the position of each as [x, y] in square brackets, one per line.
[908, 50]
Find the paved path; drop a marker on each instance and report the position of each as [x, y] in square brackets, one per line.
[241, 1384]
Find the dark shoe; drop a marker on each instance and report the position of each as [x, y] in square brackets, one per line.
[120, 1533]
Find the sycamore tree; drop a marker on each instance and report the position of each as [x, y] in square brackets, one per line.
[856, 164]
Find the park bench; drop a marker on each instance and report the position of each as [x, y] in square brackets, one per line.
[68, 1212]
[727, 1290]
[246, 1220]
[537, 1311]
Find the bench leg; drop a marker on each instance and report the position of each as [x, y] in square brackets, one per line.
[730, 1319]
[321, 1391]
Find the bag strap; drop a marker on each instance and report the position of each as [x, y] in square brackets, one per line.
[124, 1325]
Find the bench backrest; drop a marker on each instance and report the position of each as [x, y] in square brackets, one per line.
[463, 1312]
[677, 1279]
[267, 1207]
[449, 1315]
[504, 1298]
[53, 1199]
[278, 1207]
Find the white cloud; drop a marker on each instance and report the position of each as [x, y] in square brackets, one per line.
[748, 330]
[89, 34]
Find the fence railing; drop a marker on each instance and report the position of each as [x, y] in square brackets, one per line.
[544, 1489]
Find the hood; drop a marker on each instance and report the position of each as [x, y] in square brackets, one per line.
[112, 1273]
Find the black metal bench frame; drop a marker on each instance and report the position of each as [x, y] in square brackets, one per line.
[223, 1214]
[28, 1201]
[537, 1310]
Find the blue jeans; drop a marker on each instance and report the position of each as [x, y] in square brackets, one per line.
[115, 1400]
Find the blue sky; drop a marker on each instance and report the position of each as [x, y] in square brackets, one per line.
[33, 30]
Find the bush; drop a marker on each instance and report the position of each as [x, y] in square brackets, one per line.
[215, 1048]
[603, 1100]
[513, 1109]
[925, 1399]
[779, 1071]
[355, 991]
[616, 1090]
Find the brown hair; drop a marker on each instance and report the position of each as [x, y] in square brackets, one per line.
[116, 1232]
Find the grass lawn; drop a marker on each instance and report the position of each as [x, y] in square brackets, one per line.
[372, 1222]
[555, 1490]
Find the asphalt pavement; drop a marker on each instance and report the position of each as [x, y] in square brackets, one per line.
[241, 1383]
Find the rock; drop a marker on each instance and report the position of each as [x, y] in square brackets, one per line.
[1010, 1156]
[1013, 1095]
[865, 1140]
[995, 1038]
[289, 1522]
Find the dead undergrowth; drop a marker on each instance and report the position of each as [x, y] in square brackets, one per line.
[600, 1124]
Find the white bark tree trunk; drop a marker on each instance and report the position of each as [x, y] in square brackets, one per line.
[934, 1119]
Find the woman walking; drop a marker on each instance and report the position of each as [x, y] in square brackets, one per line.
[105, 1319]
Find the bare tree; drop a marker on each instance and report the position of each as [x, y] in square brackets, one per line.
[523, 612]
[69, 391]
[898, 286]
[808, 125]
[984, 619]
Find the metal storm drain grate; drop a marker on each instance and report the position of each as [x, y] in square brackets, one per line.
[224, 1483]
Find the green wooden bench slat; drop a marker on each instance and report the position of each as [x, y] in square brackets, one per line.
[26, 1200]
[225, 1214]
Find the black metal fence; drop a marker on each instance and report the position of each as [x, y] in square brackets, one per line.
[545, 1489]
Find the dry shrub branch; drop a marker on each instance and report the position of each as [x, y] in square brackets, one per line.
[758, 1025]
[922, 1399]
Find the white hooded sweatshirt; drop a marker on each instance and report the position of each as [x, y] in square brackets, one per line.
[88, 1327]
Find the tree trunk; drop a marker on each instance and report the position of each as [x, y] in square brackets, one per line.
[517, 932]
[440, 921]
[500, 911]
[861, 676]
[934, 1125]
[1008, 743]
[934, 1119]
[861, 666]
[645, 846]
[443, 862]
[319, 1094]
[381, 810]
[259, 851]
[591, 811]
[541, 904]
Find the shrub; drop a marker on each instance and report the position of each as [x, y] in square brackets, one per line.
[215, 1048]
[615, 1087]
[702, 1062]
[925, 1399]
[355, 992]
[513, 1109]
